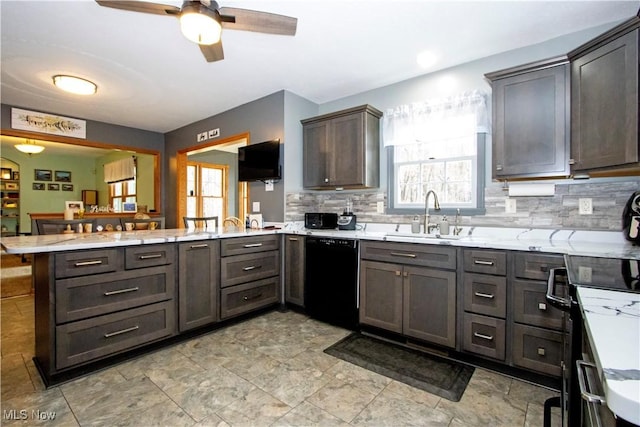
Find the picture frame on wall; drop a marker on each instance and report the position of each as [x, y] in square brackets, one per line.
[42, 174]
[11, 186]
[38, 186]
[74, 205]
[53, 187]
[67, 187]
[5, 173]
[63, 176]
[15, 175]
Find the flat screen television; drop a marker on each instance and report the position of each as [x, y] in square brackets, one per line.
[259, 162]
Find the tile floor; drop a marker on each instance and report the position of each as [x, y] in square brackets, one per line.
[267, 371]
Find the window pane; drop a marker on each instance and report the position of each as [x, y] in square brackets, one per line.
[211, 182]
[191, 180]
[191, 207]
[117, 189]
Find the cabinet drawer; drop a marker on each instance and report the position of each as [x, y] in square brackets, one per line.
[87, 340]
[246, 245]
[149, 256]
[245, 268]
[484, 336]
[530, 305]
[535, 266]
[487, 262]
[412, 254]
[484, 294]
[537, 349]
[82, 263]
[240, 299]
[82, 297]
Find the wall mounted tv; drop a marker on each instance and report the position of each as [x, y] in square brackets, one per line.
[259, 162]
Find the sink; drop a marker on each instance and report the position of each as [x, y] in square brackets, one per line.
[424, 236]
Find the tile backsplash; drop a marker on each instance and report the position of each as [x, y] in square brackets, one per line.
[558, 211]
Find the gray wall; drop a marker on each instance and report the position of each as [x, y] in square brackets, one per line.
[263, 119]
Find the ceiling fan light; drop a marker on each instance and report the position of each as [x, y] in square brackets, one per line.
[199, 24]
[29, 147]
[75, 85]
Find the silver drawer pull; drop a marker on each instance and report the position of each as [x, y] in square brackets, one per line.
[201, 245]
[542, 306]
[481, 295]
[483, 336]
[251, 267]
[481, 262]
[541, 351]
[293, 239]
[150, 256]
[121, 291]
[246, 298]
[124, 331]
[581, 365]
[252, 245]
[403, 254]
[86, 263]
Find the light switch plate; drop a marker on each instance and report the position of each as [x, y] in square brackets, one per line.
[510, 206]
[256, 206]
[380, 207]
[268, 185]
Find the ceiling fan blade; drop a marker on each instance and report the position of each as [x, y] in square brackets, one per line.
[141, 6]
[212, 52]
[261, 22]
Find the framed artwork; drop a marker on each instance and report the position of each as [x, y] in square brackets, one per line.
[5, 173]
[36, 121]
[67, 187]
[15, 175]
[129, 207]
[63, 176]
[42, 175]
[74, 205]
[54, 187]
[38, 185]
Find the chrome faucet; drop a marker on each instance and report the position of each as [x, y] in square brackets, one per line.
[456, 228]
[428, 226]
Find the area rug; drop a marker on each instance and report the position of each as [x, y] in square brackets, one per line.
[442, 377]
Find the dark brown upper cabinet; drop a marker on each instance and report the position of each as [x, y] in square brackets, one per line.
[604, 102]
[531, 120]
[342, 149]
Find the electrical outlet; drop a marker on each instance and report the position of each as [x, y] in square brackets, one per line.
[584, 274]
[510, 206]
[585, 206]
[380, 207]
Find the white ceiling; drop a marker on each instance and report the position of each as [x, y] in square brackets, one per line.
[150, 77]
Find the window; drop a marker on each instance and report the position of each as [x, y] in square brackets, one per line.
[437, 146]
[206, 190]
[121, 192]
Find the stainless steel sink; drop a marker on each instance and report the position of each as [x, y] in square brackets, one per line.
[423, 236]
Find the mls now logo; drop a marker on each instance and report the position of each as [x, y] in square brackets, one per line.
[23, 414]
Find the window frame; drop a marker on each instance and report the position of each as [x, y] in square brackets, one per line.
[480, 186]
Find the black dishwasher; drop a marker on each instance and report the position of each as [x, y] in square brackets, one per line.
[331, 280]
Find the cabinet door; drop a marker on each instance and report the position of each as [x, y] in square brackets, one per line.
[531, 135]
[294, 269]
[381, 295]
[347, 150]
[315, 155]
[198, 283]
[430, 305]
[604, 105]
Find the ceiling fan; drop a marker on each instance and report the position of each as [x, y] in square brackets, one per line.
[202, 21]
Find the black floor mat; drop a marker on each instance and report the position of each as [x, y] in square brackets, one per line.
[436, 375]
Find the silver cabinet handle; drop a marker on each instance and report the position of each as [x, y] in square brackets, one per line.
[481, 295]
[581, 366]
[561, 303]
[572, 161]
[293, 239]
[541, 351]
[481, 262]
[150, 256]
[252, 245]
[200, 246]
[403, 254]
[121, 291]
[251, 267]
[483, 336]
[498, 167]
[86, 263]
[542, 306]
[123, 331]
[247, 298]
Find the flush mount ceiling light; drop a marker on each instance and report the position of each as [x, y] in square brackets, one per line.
[29, 147]
[74, 85]
[200, 24]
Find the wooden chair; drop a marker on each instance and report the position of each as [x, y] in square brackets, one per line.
[57, 226]
[206, 222]
[142, 223]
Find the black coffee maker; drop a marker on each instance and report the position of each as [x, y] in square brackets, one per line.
[631, 219]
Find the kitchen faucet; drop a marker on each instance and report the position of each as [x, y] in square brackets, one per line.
[436, 205]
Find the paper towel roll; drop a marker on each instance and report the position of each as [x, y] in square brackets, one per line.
[539, 189]
[68, 214]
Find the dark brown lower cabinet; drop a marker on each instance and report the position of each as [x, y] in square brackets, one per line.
[198, 283]
[294, 269]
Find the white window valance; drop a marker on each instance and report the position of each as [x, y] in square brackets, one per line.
[120, 170]
[437, 120]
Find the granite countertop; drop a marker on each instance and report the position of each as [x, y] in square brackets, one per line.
[612, 322]
[561, 241]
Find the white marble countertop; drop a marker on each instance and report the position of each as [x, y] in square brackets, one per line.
[612, 321]
[573, 242]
